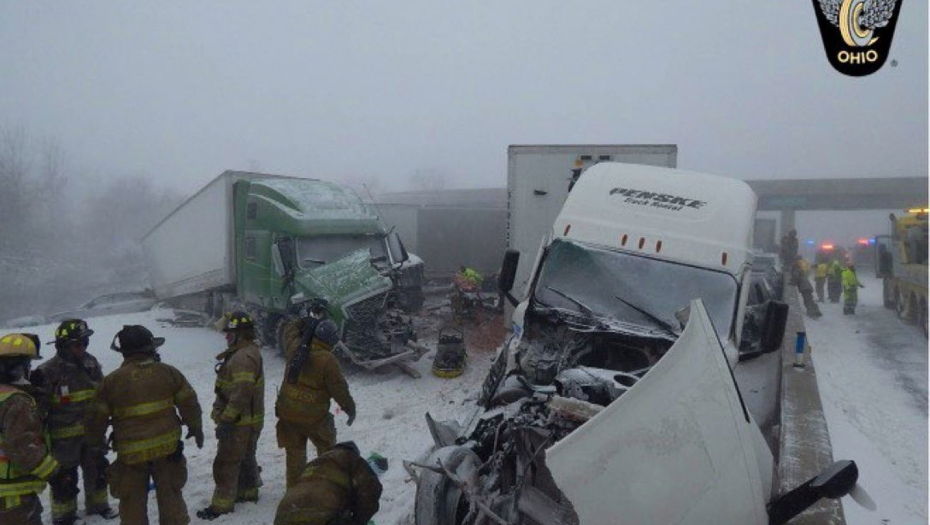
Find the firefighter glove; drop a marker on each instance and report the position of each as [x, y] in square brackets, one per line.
[351, 418]
[197, 434]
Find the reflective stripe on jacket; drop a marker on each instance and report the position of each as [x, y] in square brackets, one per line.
[240, 386]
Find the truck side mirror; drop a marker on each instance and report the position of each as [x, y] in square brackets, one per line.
[276, 260]
[773, 327]
[834, 482]
[508, 274]
[398, 252]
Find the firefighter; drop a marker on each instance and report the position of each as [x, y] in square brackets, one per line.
[69, 381]
[799, 276]
[26, 464]
[337, 488]
[238, 412]
[851, 287]
[142, 400]
[835, 281]
[820, 278]
[302, 406]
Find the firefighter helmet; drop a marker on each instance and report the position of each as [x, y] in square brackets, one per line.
[72, 330]
[327, 332]
[19, 345]
[134, 339]
[238, 320]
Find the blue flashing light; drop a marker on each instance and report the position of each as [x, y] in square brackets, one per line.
[809, 242]
[872, 240]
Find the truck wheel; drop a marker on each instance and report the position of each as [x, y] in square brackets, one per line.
[900, 305]
[887, 295]
[438, 499]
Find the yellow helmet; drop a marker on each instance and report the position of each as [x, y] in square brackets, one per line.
[19, 345]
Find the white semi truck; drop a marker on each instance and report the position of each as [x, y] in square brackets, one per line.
[614, 400]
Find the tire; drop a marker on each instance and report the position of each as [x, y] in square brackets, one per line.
[887, 296]
[900, 305]
[438, 500]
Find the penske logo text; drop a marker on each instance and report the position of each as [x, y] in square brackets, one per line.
[657, 200]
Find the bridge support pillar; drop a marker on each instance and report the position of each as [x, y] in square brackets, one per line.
[787, 221]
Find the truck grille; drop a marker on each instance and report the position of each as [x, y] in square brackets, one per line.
[366, 312]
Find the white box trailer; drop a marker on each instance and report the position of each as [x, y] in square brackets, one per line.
[192, 250]
[538, 181]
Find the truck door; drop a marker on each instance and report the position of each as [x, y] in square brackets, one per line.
[254, 266]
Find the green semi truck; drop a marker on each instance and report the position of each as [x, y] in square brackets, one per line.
[271, 244]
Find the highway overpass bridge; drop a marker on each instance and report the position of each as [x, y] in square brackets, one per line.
[791, 195]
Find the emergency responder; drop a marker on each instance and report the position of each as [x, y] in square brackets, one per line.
[851, 287]
[799, 276]
[789, 248]
[69, 381]
[239, 412]
[820, 277]
[142, 400]
[835, 281]
[25, 462]
[302, 406]
[337, 488]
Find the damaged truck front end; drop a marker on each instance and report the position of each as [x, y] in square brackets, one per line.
[614, 400]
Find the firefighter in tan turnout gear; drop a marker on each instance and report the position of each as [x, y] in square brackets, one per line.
[311, 379]
[69, 381]
[239, 416]
[25, 461]
[337, 488]
[142, 400]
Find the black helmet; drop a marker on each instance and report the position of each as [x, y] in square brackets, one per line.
[349, 445]
[71, 330]
[134, 339]
[238, 320]
[327, 332]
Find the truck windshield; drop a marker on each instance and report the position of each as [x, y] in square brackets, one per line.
[315, 251]
[631, 288]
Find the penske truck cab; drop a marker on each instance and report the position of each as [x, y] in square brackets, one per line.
[636, 244]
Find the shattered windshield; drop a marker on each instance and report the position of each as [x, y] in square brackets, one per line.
[315, 251]
[647, 292]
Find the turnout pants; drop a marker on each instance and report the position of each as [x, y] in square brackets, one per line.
[130, 484]
[21, 510]
[293, 437]
[235, 469]
[64, 484]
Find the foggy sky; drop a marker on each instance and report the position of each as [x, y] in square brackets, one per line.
[375, 90]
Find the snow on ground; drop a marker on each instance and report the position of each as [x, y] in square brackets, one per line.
[872, 376]
[390, 421]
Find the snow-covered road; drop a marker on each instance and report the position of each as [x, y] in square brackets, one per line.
[872, 376]
[390, 419]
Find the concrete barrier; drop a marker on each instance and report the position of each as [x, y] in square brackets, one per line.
[804, 439]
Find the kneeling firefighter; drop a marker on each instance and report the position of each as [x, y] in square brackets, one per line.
[25, 461]
[337, 488]
[69, 381]
[142, 399]
[238, 412]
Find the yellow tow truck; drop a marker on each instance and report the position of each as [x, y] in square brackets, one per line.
[902, 264]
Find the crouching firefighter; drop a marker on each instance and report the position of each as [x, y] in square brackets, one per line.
[25, 461]
[142, 400]
[312, 378]
[337, 488]
[69, 381]
[238, 412]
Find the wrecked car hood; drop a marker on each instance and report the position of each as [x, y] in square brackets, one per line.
[679, 447]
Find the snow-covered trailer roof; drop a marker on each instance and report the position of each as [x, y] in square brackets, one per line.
[683, 216]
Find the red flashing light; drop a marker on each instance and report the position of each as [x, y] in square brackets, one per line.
[863, 242]
[826, 246]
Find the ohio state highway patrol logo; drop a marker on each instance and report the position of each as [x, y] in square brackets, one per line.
[857, 33]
